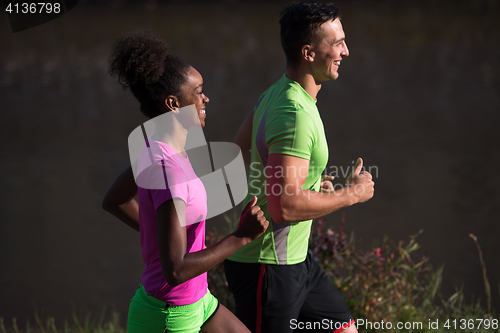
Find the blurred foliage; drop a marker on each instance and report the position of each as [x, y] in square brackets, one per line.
[388, 282]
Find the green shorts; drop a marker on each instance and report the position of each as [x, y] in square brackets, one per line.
[149, 314]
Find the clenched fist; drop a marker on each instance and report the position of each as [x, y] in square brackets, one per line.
[253, 223]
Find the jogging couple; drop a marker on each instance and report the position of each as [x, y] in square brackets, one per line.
[275, 282]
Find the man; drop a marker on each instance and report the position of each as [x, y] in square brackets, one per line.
[276, 284]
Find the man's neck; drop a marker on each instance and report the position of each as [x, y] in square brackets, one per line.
[305, 79]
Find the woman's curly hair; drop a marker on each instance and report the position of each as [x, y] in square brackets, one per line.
[142, 63]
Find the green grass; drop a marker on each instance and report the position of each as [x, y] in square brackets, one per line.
[386, 283]
[81, 323]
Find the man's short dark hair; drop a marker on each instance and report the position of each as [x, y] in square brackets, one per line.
[299, 24]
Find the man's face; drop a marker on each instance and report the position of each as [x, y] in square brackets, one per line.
[328, 50]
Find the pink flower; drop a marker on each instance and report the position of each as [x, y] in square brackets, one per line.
[379, 254]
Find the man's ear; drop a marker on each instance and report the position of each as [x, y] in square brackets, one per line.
[307, 53]
[172, 102]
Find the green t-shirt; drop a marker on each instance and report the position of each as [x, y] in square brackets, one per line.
[286, 121]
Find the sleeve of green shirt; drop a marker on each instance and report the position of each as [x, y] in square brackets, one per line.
[292, 132]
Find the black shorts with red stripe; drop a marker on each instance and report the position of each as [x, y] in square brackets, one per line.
[286, 298]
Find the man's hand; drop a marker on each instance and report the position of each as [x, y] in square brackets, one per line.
[326, 183]
[360, 184]
[253, 223]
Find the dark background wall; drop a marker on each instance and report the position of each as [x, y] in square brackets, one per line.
[418, 98]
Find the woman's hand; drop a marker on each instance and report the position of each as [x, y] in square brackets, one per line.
[253, 223]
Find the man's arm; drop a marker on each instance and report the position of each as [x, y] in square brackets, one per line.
[244, 138]
[288, 202]
[120, 202]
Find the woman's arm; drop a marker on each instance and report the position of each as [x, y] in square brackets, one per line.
[244, 138]
[119, 200]
[179, 266]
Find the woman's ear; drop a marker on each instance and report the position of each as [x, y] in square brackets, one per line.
[307, 53]
[172, 102]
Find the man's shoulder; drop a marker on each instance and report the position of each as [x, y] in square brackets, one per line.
[283, 97]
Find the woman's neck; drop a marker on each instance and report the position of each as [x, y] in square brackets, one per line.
[170, 131]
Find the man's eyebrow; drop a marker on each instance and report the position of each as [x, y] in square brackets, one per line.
[338, 41]
[198, 86]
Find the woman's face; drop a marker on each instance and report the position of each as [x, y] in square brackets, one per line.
[192, 93]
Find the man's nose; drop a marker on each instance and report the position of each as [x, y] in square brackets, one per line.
[345, 50]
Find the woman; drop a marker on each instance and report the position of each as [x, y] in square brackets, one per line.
[173, 296]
